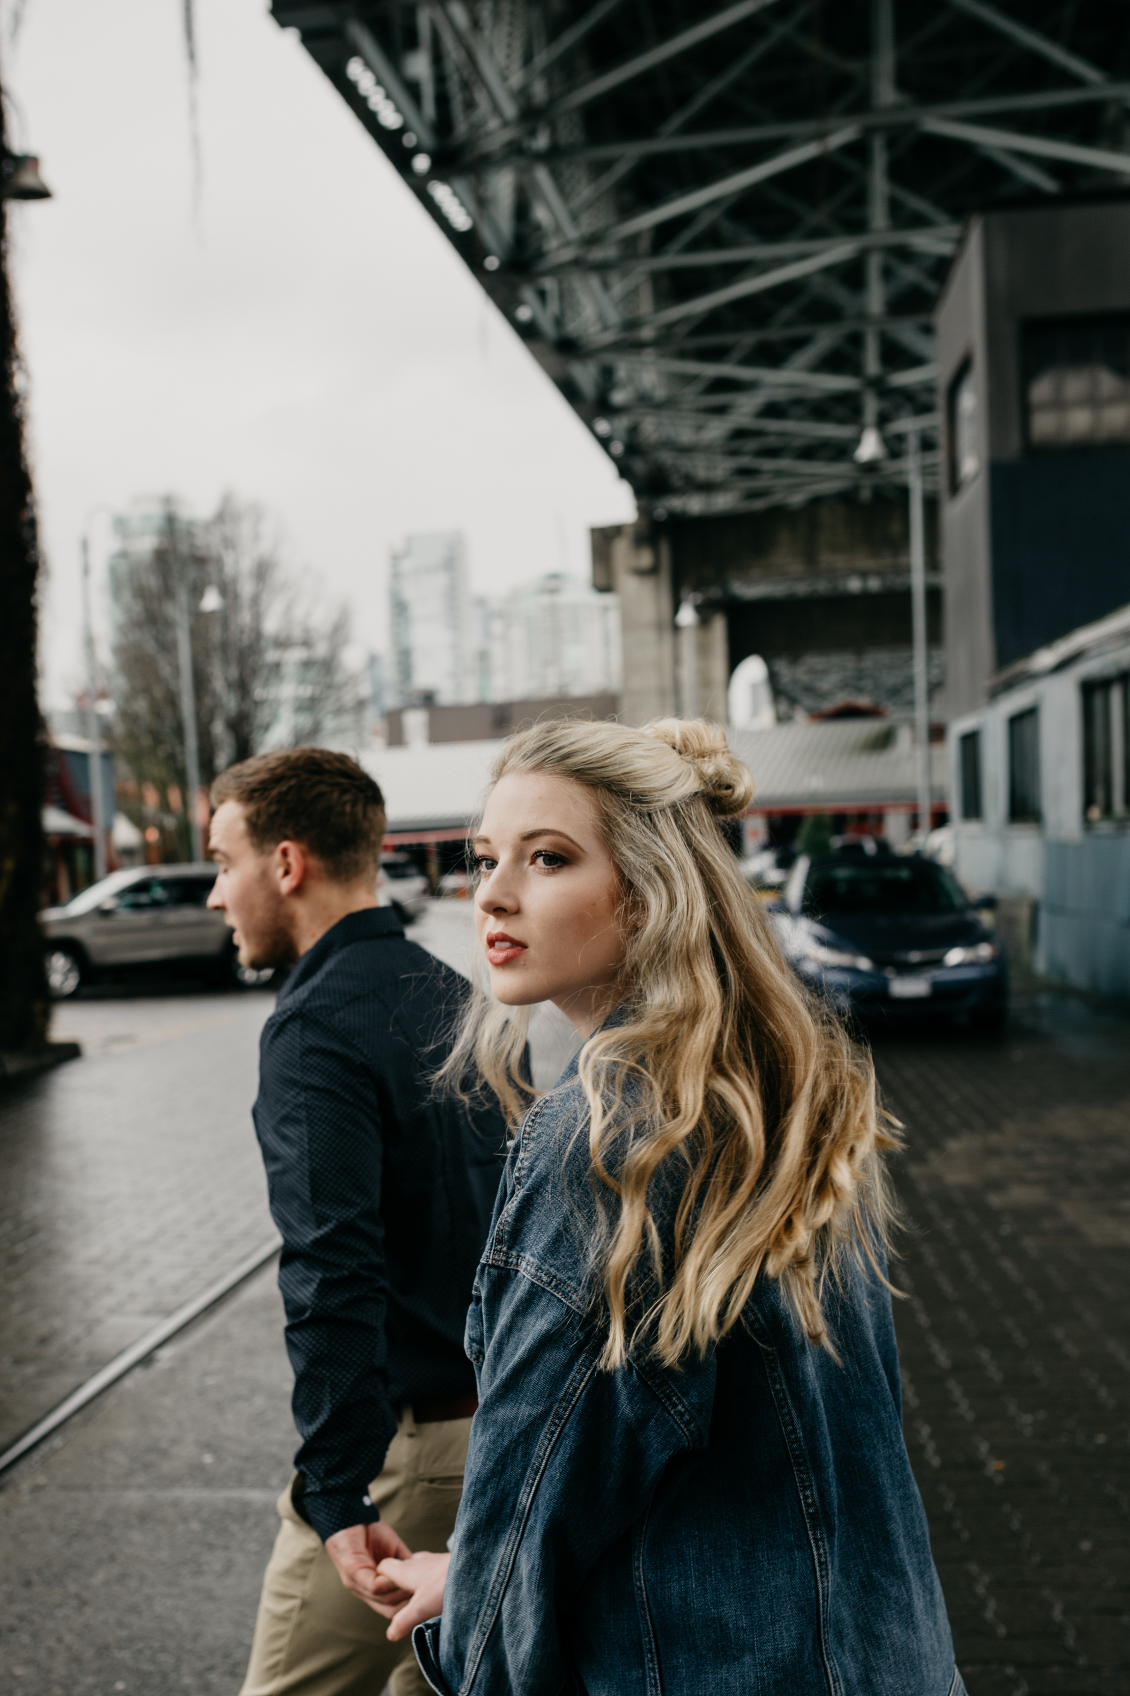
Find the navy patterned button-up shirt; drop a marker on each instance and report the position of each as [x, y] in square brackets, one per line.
[382, 1193]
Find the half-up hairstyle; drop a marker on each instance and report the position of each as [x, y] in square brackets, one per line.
[722, 1073]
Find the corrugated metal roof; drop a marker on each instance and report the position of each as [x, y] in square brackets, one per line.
[855, 764]
[1110, 631]
[850, 764]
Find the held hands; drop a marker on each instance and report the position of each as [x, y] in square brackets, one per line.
[380, 1569]
[355, 1553]
[420, 1580]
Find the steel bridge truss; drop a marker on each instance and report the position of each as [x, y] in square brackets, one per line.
[722, 231]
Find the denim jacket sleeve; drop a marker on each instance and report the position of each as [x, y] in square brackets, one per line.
[564, 1456]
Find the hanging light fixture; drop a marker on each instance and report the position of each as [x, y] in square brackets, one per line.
[20, 178]
[872, 447]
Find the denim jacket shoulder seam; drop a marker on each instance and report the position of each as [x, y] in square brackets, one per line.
[673, 1405]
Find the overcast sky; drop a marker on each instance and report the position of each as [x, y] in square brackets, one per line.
[312, 343]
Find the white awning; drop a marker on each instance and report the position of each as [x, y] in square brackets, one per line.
[58, 823]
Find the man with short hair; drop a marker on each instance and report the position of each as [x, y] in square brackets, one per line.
[382, 1193]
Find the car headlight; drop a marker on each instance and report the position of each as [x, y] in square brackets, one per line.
[976, 954]
[822, 956]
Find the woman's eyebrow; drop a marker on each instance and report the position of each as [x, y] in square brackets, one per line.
[531, 835]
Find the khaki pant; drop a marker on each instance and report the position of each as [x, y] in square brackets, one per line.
[312, 1637]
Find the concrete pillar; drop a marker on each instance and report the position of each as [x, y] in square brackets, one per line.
[713, 666]
[707, 698]
[628, 561]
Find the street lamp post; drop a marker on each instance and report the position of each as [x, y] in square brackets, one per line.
[187, 688]
[918, 612]
[93, 725]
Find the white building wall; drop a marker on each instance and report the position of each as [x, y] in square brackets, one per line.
[1079, 875]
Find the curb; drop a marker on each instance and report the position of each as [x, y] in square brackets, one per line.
[29, 1062]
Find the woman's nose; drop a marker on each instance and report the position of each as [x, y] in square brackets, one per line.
[492, 895]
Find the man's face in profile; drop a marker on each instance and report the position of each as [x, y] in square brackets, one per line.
[247, 892]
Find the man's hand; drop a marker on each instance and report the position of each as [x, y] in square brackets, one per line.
[355, 1553]
[421, 1579]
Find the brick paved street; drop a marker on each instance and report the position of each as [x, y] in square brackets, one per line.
[130, 1179]
[1014, 1339]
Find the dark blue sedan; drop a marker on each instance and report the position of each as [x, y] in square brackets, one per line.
[887, 935]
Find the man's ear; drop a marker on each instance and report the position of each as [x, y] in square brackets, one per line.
[291, 868]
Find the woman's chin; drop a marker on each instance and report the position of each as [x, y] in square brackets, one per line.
[510, 991]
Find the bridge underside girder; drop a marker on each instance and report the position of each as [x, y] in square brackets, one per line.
[722, 230]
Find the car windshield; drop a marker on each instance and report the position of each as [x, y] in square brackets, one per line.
[894, 886]
[101, 891]
[400, 868]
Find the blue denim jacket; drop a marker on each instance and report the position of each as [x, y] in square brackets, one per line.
[747, 1525]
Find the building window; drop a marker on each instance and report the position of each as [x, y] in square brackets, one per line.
[969, 752]
[1106, 748]
[1077, 382]
[964, 430]
[1024, 767]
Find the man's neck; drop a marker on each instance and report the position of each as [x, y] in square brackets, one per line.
[319, 913]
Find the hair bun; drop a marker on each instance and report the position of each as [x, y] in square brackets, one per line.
[724, 782]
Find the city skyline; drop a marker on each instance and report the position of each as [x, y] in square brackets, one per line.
[552, 635]
[308, 340]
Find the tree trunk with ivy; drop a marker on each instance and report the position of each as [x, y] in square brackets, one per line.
[24, 1005]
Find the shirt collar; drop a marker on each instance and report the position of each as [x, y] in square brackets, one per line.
[367, 925]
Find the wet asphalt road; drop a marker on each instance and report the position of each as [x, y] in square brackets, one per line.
[132, 1544]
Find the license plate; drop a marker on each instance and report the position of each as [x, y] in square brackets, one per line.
[910, 989]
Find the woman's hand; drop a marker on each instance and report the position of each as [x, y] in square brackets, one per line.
[423, 1577]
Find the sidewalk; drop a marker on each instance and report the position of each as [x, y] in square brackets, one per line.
[132, 1545]
[129, 1181]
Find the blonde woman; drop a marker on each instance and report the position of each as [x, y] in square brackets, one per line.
[687, 1474]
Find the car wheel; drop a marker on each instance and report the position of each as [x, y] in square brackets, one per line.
[250, 976]
[64, 972]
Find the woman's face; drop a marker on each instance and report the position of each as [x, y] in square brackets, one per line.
[547, 907]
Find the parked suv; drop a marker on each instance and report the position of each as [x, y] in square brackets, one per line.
[140, 917]
[888, 935]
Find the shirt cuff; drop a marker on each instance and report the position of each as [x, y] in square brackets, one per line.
[333, 1510]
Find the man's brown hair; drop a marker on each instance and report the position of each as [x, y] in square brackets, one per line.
[325, 801]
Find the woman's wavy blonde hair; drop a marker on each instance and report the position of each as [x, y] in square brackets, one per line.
[723, 1073]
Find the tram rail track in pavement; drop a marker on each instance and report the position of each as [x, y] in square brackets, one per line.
[137, 1352]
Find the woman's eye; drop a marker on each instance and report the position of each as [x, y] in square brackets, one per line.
[483, 863]
[546, 857]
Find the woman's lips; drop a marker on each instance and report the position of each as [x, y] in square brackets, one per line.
[501, 949]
